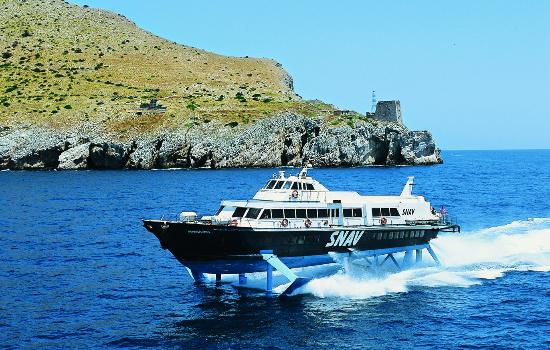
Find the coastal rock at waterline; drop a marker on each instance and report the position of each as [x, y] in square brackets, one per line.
[283, 140]
[30, 149]
[419, 148]
[108, 156]
[75, 158]
[144, 154]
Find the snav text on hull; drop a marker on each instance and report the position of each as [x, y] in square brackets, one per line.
[294, 221]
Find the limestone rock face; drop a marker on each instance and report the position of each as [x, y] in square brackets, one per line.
[30, 148]
[283, 140]
[144, 156]
[419, 148]
[75, 158]
[107, 156]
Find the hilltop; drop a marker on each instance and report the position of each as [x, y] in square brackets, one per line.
[62, 63]
[73, 79]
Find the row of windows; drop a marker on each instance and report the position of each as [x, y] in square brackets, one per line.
[399, 234]
[253, 213]
[376, 212]
[285, 185]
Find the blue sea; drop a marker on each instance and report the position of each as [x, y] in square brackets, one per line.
[78, 270]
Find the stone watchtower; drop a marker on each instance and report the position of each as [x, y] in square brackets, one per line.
[388, 111]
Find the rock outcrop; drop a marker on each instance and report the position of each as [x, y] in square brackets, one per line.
[283, 140]
[75, 157]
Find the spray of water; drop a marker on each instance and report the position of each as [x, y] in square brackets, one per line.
[468, 259]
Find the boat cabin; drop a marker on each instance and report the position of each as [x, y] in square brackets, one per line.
[300, 202]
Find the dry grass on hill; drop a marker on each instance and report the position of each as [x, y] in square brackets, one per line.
[61, 64]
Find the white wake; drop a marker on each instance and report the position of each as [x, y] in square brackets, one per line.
[468, 259]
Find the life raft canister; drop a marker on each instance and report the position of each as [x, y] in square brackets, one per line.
[307, 223]
[295, 194]
[284, 222]
[383, 221]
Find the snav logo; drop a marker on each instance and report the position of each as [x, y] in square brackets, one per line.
[408, 211]
[344, 238]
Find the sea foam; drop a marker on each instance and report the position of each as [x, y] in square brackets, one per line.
[468, 259]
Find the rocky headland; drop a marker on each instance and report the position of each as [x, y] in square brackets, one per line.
[76, 95]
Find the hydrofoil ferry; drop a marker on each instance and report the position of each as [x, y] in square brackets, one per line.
[295, 221]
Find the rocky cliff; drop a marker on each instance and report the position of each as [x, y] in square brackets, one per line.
[74, 82]
[287, 139]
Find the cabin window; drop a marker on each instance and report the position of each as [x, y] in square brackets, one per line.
[385, 235]
[375, 212]
[239, 212]
[294, 186]
[278, 185]
[401, 234]
[336, 201]
[353, 213]
[301, 213]
[322, 213]
[277, 213]
[385, 211]
[335, 213]
[287, 184]
[266, 214]
[290, 213]
[312, 213]
[253, 213]
[219, 210]
[379, 235]
[309, 187]
[394, 212]
[270, 184]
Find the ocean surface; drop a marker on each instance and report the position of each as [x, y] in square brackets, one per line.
[78, 270]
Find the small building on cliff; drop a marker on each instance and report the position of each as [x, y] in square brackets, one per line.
[388, 111]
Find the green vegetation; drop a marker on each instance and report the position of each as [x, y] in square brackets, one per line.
[192, 106]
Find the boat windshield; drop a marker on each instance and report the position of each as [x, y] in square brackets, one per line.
[270, 184]
[239, 212]
[253, 213]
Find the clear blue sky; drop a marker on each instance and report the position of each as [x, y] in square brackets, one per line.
[475, 73]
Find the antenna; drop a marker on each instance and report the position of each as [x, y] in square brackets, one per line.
[373, 107]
